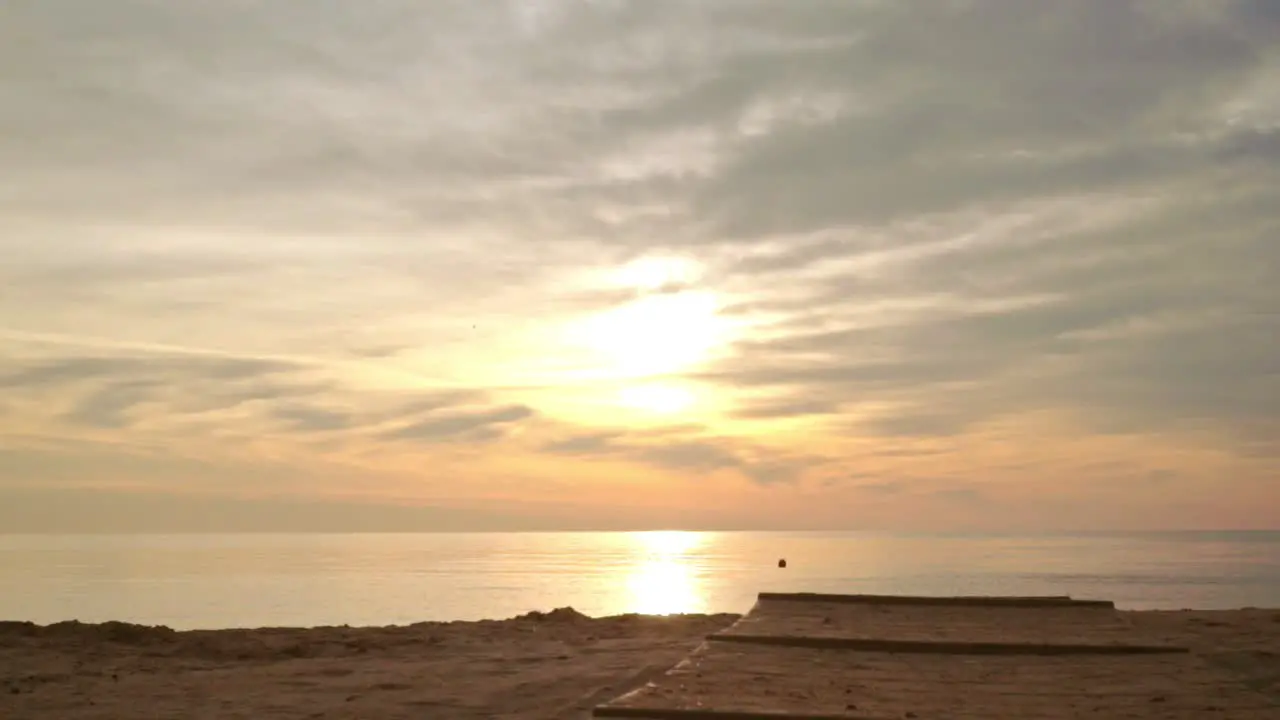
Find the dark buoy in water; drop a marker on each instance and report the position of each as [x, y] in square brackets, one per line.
[782, 563]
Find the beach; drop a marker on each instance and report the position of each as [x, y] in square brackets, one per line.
[555, 665]
[541, 665]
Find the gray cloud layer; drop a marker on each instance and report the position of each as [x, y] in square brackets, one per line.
[935, 215]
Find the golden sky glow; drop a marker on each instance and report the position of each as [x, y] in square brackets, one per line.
[732, 264]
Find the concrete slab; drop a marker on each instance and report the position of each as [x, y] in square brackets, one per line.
[850, 657]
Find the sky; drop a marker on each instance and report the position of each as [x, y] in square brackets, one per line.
[608, 264]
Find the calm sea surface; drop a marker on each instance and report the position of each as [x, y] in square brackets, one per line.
[215, 581]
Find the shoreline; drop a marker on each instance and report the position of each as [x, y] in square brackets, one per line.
[557, 615]
[562, 614]
[553, 665]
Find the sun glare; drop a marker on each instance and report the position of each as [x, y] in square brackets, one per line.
[664, 580]
[656, 334]
[630, 357]
[665, 543]
[664, 588]
[652, 273]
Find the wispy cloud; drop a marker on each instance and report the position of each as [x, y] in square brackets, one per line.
[926, 233]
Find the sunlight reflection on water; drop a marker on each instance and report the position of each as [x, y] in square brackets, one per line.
[663, 579]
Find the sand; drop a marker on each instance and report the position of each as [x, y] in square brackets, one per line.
[553, 665]
[549, 666]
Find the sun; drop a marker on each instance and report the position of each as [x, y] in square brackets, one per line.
[668, 326]
[635, 356]
[657, 334]
[654, 335]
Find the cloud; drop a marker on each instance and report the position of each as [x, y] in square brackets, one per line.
[892, 487]
[1160, 317]
[312, 419]
[109, 392]
[110, 406]
[44, 373]
[240, 397]
[589, 444]
[962, 495]
[799, 408]
[477, 424]
[688, 456]
[95, 510]
[927, 223]
[688, 452]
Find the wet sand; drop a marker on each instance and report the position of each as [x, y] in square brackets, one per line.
[553, 666]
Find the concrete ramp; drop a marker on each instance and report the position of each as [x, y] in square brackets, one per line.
[814, 657]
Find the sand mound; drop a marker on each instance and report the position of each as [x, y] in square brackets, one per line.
[559, 615]
[13, 628]
[114, 632]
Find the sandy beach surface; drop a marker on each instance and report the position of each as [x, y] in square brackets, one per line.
[553, 665]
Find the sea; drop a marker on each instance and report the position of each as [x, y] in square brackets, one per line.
[292, 580]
